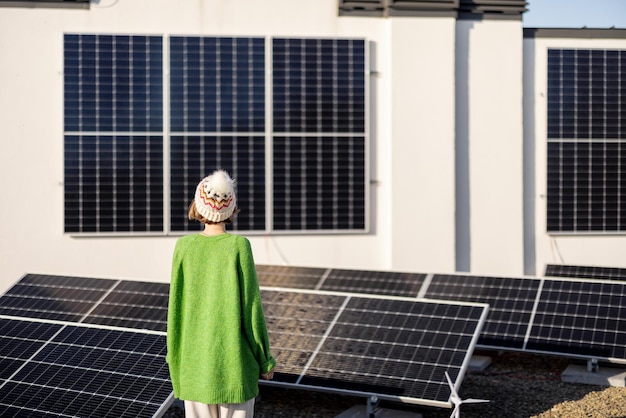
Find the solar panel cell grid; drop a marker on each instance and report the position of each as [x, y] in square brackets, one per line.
[580, 317]
[511, 302]
[374, 282]
[395, 347]
[591, 272]
[133, 305]
[79, 371]
[286, 276]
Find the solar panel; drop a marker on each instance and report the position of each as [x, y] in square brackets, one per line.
[56, 369]
[519, 318]
[126, 304]
[374, 282]
[130, 304]
[319, 143]
[287, 276]
[113, 110]
[395, 348]
[591, 272]
[580, 317]
[570, 317]
[585, 137]
[341, 280]
[53, 297]
[511, 302]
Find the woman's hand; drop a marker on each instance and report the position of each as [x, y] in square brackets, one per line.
[268, 376]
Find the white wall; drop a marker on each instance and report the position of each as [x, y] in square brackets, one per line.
[450, 187]
[422, 144]
[415, 234]
[605, 250]
[489, 126]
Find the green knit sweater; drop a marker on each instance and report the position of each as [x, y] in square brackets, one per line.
[217, 341]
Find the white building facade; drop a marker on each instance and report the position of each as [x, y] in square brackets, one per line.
[369, 135]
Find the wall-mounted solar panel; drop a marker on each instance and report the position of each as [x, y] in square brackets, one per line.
[589, 272]
[113, 123]
[395, 348]
[55, 369]
[319, 134]
[217, 97]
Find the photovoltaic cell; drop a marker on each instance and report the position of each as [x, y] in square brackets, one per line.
[71, 370]
[511, 302]
[581, 272]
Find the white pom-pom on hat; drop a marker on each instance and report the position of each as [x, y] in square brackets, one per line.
[215, 196]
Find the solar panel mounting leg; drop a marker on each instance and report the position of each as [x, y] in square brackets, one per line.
[592, 365]
[372, 406]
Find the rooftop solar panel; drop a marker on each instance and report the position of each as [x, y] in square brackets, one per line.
[374, 282]
[394, 348]
[582, 318]
[125, 304]
[520, 317]
[56, 369]
[287, 276]
[591, 272]
[342, 280]
[53, 297]
[511, 302]
[129, 304]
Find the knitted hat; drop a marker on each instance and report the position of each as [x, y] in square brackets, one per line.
[215, 196]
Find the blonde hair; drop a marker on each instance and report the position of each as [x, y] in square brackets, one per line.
[194, 215]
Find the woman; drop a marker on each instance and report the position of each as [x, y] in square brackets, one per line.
[217, 340]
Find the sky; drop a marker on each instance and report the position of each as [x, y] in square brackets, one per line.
[575, 14]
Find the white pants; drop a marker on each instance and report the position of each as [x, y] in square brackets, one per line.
[232, 410]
